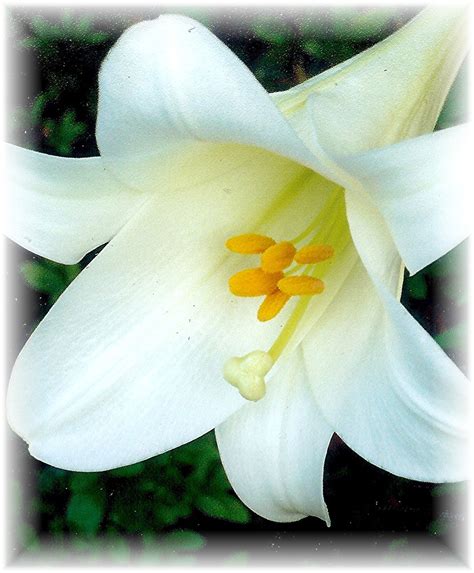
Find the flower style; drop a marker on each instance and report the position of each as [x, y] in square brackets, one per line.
[315, 191]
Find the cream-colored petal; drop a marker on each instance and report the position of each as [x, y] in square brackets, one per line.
[62, 208]
[129, 361]
[274, 450]
[394, 396]
[390, 92]
[386, 387]
[369, 231]
[421, 188]
[170, 93]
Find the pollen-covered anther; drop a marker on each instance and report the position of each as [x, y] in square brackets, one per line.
[249, 244]
[254, 282]
[247, 373]
[301, 285]
[278, 257]
[272, 305]
[313, 254]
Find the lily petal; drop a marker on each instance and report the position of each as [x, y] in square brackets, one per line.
[159, 89]
[386, 387]
[369, 230]
[392, 394]
[147, 327]
[390, 92]
[420, 187]
[62, 208]
[274, 450]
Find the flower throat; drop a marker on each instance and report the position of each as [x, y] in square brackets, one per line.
[289, 268]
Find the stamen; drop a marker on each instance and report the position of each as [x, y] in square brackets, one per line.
[336, 233]
[254, 282]
[249, 244]
[301, 285]
[313, 245]
[329, 207]
[289, 329]
[278, 257]
[272, 305]
[247, 373]
[314, 254]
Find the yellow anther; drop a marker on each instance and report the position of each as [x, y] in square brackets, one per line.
[314, 254]
[300, 285]
[254, 282]
[278, 257]
[272, 305]
[249, 244]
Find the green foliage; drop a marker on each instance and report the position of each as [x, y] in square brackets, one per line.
[183, 540]
[442, 525]
[84, 512]
[452, 338]
[159, 494]
[441, 289]
[398, 544]
[128, 471]
[274, 31]
[358, 25]
[62, 133]
[47, 37]
[311, 42]
[417, 286]
[48, 277]
[29, 537]
[39, 105]
[449, 489]
[223, 506]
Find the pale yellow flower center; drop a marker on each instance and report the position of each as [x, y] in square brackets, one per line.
[287, 269]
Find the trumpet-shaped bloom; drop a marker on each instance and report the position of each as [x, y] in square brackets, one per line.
[321, 199]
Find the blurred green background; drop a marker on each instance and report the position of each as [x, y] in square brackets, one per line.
[174, 502]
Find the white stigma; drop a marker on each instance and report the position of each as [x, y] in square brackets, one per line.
[247, 373]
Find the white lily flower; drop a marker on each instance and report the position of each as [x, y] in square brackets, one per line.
[135, 357]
